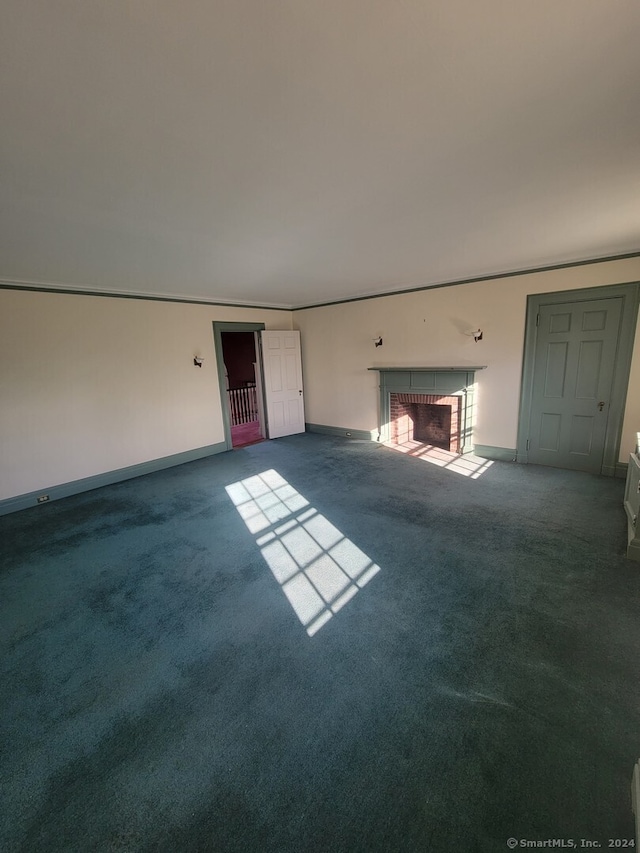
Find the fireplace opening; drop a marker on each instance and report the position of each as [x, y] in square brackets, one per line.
[426, 418]
[432, 424]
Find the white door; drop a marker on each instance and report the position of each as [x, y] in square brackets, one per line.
[282, 364]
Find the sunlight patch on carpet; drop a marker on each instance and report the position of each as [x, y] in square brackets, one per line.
[318, 568]
[466, 465]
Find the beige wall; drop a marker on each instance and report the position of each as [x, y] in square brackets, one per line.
[91, 384]
[427, 328]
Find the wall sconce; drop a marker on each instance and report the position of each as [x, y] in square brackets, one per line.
[377, 341]
[197, 360]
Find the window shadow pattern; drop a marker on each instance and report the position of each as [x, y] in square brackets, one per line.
[467, 465]
[318, 568]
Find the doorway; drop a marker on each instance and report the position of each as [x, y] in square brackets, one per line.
[577, 358]
[240, 378]
[240, 364]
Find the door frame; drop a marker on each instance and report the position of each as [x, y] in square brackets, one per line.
[218, 329]
[630, 294]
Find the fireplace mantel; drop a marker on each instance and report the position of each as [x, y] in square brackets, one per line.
[427, 369]
[445, 381]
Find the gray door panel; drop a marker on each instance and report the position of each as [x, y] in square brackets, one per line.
[573, 374]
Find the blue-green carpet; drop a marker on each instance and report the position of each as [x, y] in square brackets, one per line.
[161, 690]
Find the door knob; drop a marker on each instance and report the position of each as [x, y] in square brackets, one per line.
[601, 405]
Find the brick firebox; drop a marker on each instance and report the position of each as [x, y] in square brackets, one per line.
[412, 418]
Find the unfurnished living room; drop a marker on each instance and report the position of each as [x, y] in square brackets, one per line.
[319, 422]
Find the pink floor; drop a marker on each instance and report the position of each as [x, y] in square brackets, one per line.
[245, 434]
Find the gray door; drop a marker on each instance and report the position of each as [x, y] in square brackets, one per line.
[573, 375]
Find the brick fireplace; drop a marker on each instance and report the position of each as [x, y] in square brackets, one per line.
[432, 405]
[428, 418]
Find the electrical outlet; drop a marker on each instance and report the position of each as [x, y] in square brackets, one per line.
[43, 498]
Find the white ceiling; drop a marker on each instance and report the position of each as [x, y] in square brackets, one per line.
[291, 152]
